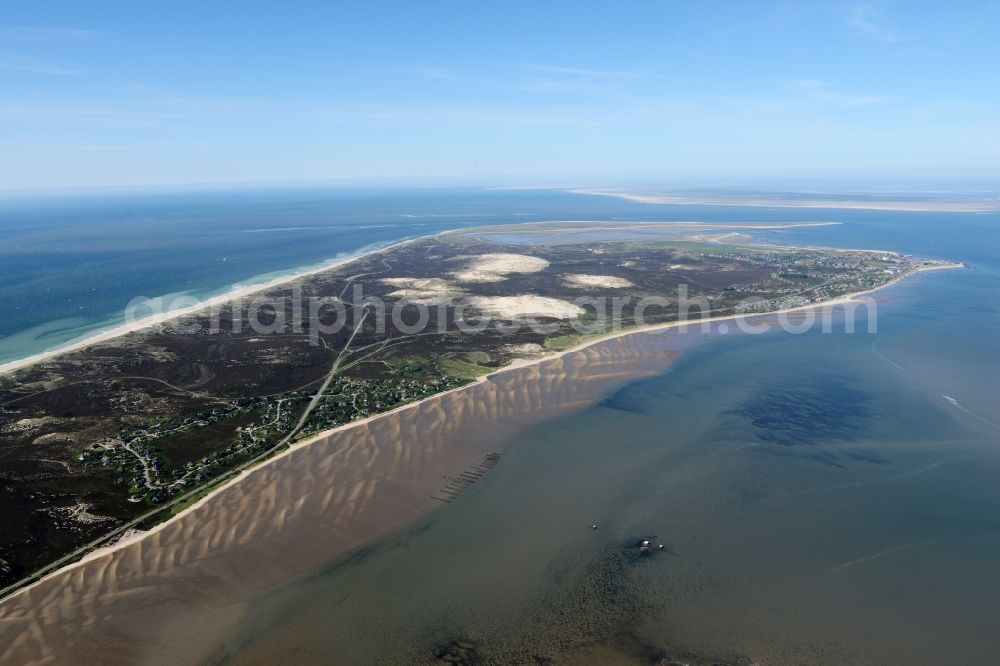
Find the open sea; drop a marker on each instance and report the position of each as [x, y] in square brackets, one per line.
[822, 498]
[70, 264]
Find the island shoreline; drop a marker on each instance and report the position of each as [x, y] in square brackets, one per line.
[12, 594]
[900, 205]
[239, 292]
[221, 299]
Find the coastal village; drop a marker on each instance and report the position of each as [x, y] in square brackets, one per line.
[135, 455]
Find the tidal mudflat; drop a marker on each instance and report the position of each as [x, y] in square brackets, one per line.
[319, 500]
[816, 506]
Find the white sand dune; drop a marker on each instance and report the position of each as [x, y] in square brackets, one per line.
[582, 281]
[496, 267]
[525, 305]
[426, 291]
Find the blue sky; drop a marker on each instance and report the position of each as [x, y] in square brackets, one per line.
[109, 93]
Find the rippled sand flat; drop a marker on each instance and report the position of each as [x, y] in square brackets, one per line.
[322, 499]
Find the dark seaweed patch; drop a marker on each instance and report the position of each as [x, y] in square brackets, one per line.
[597, 605]
[808, 412]
[623, 403]
[462, 652]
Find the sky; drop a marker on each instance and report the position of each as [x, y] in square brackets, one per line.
[127, 93]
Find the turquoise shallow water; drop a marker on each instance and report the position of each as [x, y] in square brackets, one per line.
[69, 265]
[821, 499]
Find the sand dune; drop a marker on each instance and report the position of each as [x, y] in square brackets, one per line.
[428, 291]
[592, 281]
[496, 267]
[526, 305]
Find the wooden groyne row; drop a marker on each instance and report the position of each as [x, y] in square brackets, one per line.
[458, 484]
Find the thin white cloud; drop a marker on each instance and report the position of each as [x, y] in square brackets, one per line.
[866, 20]
[420, 70]
[819, 91]
[81, 115]
[455, 115]
[32, 32]
[431, 72]
[550, 86]
[163, 98]
[38, 149]
[596, 73]
[51, 70]
[835, 98]
[576, 71]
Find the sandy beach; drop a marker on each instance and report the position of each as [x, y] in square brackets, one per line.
[249, 290]
[323, 498]
[216, 301]
[777, 202]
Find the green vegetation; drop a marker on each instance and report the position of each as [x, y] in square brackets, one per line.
[348, 399]
[458, 368]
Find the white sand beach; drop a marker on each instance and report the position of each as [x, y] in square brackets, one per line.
[941, 206]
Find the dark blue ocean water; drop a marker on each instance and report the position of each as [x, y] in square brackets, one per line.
[69, 265]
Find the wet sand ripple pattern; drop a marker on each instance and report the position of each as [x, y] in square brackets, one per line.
[319, 501]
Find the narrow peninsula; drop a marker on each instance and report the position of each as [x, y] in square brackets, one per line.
[110, 439]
